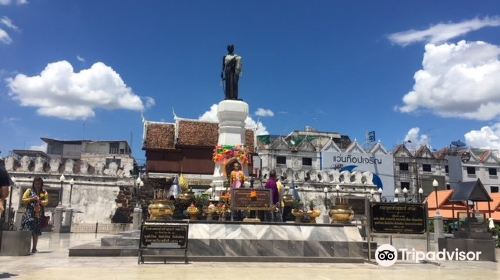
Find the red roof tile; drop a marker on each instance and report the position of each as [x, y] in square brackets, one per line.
[159, 136]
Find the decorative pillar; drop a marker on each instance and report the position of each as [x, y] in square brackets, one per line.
[232, 115]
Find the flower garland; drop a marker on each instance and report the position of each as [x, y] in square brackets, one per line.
[223, 153]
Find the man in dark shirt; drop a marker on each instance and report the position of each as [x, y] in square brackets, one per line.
[271, 184]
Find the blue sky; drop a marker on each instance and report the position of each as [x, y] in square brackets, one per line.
[331, 65]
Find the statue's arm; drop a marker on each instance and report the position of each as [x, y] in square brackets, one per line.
[240, 74]
[223, 65]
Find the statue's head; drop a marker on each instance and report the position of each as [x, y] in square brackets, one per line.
[236, 166]
[230, 49]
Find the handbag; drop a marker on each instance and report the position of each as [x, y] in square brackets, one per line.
[44, 221]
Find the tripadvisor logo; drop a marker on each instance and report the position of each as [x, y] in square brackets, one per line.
[387, 255]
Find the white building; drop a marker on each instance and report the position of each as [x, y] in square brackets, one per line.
[100, 170]
[472, 164]
[305, 159]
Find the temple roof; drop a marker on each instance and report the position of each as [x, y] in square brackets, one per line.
[160, 136]
[185, 133]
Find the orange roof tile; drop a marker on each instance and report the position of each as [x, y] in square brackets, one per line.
[494, 205]
[443, 197]
[446, 213]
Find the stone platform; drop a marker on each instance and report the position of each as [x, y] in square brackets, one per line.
[234, 241]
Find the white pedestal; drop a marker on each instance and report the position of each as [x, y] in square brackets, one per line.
[232, 115]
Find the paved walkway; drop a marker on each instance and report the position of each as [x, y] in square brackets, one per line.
[52, 262]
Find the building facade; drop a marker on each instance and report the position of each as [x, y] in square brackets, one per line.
[418, 169]
[467, 164]
[100, 172]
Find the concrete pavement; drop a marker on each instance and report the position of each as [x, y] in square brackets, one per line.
[52, 262]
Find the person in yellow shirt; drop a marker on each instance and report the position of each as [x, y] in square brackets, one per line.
[35, 199]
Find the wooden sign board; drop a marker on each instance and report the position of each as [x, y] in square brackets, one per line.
[241, 200]
[398, 218]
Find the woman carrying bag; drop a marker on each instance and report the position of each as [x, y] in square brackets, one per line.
[35, 199]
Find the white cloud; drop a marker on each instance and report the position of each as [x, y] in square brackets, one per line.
[442, 32]
[8, 23]
[10, 120]
[457, 80]
[18, 2]
[4, 37]
[59, 91]
[488, 137]
[79, 58]
[261, 112]
[211, 115]
[149, 102]
[415, 139]
[42, 147]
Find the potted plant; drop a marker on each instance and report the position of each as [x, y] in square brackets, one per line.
[312, 213]
[297, 211]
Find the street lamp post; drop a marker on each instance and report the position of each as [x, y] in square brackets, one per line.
[396, 195]
[61, 179]
[405, 193]
[137, 184]
[420, 193]
[71, 183]
[435, 184]
[337, 189]
[380, 194]
[325, 191]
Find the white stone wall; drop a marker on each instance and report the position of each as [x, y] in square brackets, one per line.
[96, 203]
[92, 197]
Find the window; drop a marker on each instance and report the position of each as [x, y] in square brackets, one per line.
[426, 168]
[492, 171]
[113, 148]
[471, 170]
[307, 161]
[446, 169]
[494, 189]
[281, 160]
[405, 185]
[403, 166]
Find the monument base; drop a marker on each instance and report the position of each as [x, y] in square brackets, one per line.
[15, 243]
[236, 241]
[485, 246]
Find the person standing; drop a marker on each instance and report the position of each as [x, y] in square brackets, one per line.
[271, 185]
[4, 189]
[35, 199]
[281, 188]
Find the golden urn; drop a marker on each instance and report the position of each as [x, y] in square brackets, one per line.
[193, 212]
[161, 209]
[288, 200]
[313, 214]
[210, 211]
[341, 213]
[186, 198]
[298, 214]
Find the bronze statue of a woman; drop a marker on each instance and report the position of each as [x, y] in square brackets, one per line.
[231, 70]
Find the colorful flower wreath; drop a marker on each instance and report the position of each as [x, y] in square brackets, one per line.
[223, 153]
